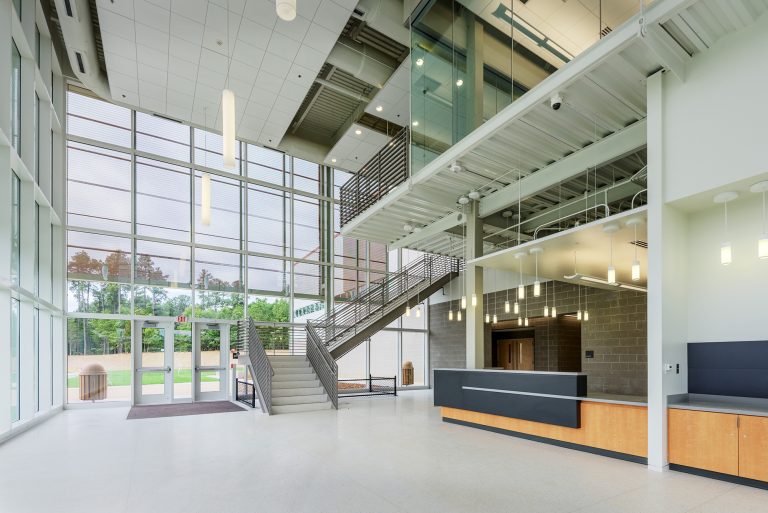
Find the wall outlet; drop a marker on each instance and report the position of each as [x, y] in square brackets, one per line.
[668, 367]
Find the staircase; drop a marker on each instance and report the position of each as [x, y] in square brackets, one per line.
[295, 386]
[351, 323]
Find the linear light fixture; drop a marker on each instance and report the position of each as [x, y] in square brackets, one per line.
[205, 199]
[726, 250]
[603, 281]
[228, 127]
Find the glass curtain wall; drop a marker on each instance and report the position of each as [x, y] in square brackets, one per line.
[470, 59]
[137, 244]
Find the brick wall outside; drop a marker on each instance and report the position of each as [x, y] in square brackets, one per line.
[616, 332]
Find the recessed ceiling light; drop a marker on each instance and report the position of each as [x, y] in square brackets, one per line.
[419, 62]
[333, 160]
[415, 123]
[358, 131]
[463, 200]
[379, 108]
[459, 82]
[474, 195]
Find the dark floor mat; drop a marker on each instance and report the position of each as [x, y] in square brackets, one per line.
[178, 410]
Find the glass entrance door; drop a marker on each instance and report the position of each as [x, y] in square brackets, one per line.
[154, 362]
[211, 342]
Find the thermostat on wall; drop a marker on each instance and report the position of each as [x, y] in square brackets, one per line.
[589, 354]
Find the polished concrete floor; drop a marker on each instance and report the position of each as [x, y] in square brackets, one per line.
[375, 454]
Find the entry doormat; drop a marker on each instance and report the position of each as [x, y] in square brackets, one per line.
[178, 410]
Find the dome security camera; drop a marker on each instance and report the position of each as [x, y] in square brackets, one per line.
[556, 101]
[455, 167]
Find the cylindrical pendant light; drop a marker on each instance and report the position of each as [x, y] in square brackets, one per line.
[520, 292]
[418, 311]
[611, 275]
[526, 321]
[205, 199]
[633, 222]
[495, 318]
[407, 310]
[578, 315]
[586, 315]
[726, 250]
[536, 288]
[519, 321]
[537, 283]
[458, 316]
[610, 229]
[463, 302]
[546, 311]
[762, 243]
[517, 307]
[554, 312]
[450, 315]
[487, 318]
[286, 9]
[506, 306]
[228, 127]
[474, 300]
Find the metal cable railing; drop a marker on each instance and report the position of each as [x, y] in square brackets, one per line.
[385, 171]
[324, 365]
[249, 341]
[348, 319]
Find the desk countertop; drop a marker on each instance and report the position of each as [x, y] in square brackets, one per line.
[720, 404]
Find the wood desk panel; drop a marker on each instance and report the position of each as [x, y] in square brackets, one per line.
[753, 447]
[704, 440]
[611, 427]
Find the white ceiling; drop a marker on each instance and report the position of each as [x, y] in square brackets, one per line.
[394, 97]
[171, 57]
[352, 151]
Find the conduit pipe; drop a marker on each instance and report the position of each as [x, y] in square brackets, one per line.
[77, 29]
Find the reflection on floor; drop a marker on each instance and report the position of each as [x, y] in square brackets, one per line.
[378, 454]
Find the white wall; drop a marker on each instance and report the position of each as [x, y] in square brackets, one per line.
[715, 122]
[727, 303]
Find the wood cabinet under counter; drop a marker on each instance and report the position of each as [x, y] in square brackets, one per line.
[725, 443]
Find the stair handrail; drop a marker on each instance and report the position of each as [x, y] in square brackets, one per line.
[324, 365]
[261, 369]
[350, 317]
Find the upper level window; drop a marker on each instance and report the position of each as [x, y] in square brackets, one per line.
[162, 137]
[98, 120]
[16, 98]
[15, 229]
[17, 5]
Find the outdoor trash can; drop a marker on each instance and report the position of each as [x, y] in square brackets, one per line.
[93, 383]
[407, 373]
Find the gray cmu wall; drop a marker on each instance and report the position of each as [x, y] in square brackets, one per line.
[616, 332]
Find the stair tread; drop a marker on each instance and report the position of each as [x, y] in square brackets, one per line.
[299, 399]
[296, 408]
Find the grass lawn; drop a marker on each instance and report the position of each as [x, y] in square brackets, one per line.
[119, 378]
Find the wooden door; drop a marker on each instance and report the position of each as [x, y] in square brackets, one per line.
[524, 353]
[515, 354]
[505, 354]
[704, 440]
[753, 447]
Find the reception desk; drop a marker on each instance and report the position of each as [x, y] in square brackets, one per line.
[551, 407]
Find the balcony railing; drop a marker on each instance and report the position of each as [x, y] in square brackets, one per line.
[385, 171]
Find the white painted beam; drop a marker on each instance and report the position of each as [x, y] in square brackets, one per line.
[608, 149]
[446, 223]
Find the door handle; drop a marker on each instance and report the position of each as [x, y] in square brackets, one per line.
[167, 369]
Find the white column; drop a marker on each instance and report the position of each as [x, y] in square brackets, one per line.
[667, 285]
[474, 285]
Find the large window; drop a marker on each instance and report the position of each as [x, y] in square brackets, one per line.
[15, 229]
[16, 98]
[162, 200]
[15, 361]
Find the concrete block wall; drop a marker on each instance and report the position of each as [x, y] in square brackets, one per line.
[616, 332]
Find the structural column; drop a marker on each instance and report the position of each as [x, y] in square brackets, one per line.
[473, 275]
[667, 285]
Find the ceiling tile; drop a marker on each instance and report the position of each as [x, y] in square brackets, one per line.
[320, 38]
[182, 68]
[151, 15]
[153, 75]
[310, 58]
[211, 78]
[152, 104]
[293, 90]
[184, 50]
[118, 46]
[180, 99]
[235, 6]
[247, 54]
[243, 71]
[179, 83]
[213, 61]
[149, 90]
[151, 37]
[301, 75]
[268, 82]
[187, 29]
[120, 63]
[180, 112]
[275, 65]
[216, 18]
[254, 34]
[262, 97]
[284, 46]
[165, 4]
[331, 16]
[308, 8]
[215, 41]
[296, 29]
[124, 82]
[121, 8]
[262, 12]
[117, 25]
[241, 88]
[152, 57]
[256, 110]
[193, 9]
[287, 105]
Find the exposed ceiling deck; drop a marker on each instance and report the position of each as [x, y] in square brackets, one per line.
[600, 123]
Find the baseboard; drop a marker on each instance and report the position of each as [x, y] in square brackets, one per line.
[720, 476]
[21, 427]
[568, 445]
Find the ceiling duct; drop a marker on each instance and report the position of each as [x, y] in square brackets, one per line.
[362, 62]
[77, 29]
